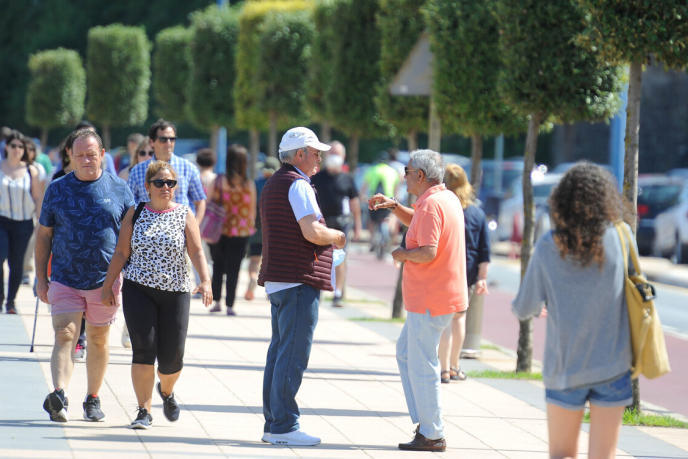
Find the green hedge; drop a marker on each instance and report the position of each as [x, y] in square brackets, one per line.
[57, 89]
[214, 35]
[118, 69]
[171, 72]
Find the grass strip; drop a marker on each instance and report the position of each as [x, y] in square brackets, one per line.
[490, 347]
[635, 418]
[378, 319]
[494, 374]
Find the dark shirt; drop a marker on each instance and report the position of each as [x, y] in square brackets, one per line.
[332, 190]
[477, 241]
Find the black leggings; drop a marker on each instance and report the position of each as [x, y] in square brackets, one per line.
[227, 255]
[14, 238]
[157, 321]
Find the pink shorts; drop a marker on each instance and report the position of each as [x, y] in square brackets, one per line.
[66, 300]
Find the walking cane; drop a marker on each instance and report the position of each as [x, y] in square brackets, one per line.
[35, 316]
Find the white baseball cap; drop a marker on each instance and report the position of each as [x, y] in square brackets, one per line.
[301, 137]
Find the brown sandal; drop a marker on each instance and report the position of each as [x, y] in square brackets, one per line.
[445, 376]
[456, 374]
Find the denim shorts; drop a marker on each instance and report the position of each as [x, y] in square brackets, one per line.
[615, 392]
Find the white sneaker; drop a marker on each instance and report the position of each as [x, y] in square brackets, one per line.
[266, 437]
[126, 342]
[295, 438]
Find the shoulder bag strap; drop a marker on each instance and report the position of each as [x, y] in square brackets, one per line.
[620, 230]
[631, 248]
[137, 212]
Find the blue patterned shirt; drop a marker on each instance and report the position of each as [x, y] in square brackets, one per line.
[85, 218]
[189, 188]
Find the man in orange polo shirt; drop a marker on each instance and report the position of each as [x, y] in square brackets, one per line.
[434, 288]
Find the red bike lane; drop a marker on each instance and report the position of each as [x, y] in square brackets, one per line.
[378, 279]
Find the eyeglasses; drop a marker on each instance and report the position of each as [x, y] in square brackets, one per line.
[16, 145]
[159, 183]
[143, 153]
[408, 169]
[164, 139]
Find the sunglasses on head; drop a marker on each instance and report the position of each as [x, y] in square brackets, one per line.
[159, 183]
[146, 152]
[164, 139]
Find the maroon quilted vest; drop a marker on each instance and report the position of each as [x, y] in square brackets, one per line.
[287, 255]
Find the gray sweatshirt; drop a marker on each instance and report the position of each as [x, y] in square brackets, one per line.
[588, 339]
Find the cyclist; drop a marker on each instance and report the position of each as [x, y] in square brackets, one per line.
[380, 178]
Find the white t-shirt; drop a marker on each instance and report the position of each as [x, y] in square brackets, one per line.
[303, 203]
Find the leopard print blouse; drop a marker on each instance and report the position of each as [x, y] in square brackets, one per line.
[158, 250]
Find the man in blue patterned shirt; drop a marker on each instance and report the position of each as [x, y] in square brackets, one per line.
[79, 224]
[189, 191]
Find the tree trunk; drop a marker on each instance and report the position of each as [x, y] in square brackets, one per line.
[476, 158]
[272, 135]
[524, 353]
[44, 139]
[253, 148]
[435, 128]
[412, 140]
[106, 137]
[352, 154]
[325, 132]
[631, 146]
[398, 302]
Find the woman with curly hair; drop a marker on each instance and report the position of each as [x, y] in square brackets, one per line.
[577, 270]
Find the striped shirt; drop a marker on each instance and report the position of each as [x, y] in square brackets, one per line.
[189, 187]
[16, 202]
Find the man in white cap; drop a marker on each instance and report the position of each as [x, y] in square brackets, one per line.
[297, 264]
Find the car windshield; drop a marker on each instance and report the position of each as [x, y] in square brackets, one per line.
[659, 195]
[508, 178]
[543, 190]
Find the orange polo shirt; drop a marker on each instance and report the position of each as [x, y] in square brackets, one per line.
[439, 286]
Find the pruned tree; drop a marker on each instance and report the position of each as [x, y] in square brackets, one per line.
[464, 36]
[285, 56]
[57, 90]
[401, 24]
[630, 32]
[172, 72]
[546, 76]
[355, 72]
[212, 50]
[320, 76]
[118, 70]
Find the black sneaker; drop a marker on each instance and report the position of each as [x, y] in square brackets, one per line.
[56, 405]
[169, 406]
[143, 420]
[92, 411]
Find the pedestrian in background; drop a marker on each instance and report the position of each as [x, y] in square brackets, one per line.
[206, 159]
[577, 270]
[237, 194]
[477, 261]
[21, 193]
[78, 224]
[157, 288]
[255, 242]
[297, 265]
[141, 152]
[340, 205]
[434, 289]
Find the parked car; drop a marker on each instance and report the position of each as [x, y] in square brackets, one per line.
[494, 190]
[511, 210]
[663, 217]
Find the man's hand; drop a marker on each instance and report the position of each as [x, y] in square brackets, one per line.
[481, 287]
[399, 254]
[380, 201]
[42, 290]
[340, 242]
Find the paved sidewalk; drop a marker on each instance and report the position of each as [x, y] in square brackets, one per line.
[351, 396]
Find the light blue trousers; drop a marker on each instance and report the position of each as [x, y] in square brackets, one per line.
[419, 368]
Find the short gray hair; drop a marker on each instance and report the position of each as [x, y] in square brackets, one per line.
[288, 155]
[430, 162]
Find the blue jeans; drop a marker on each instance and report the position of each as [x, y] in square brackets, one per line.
[294, 316]
[14, 238]
[419, 368]
[615, 392]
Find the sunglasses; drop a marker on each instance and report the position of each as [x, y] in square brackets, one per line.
[408, 169]
[143, 153]
[164, 139]
[16, 145]
[159, 183]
